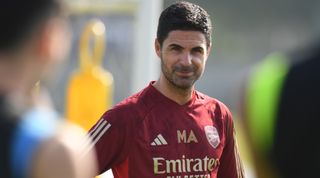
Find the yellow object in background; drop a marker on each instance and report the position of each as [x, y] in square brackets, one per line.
[90, 90]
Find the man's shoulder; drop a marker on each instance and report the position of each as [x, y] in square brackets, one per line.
[208, 100]
[132, 103]
[132, 107]
[214, 104]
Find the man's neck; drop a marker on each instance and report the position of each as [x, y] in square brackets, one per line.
[180, 96]
[15, 86]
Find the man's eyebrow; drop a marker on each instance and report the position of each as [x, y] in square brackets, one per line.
[198, 47]
[175, 45]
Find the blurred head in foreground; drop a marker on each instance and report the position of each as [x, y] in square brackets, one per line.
[34, 37]
[281, 113]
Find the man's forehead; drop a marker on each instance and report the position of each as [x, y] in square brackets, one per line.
[186, 38]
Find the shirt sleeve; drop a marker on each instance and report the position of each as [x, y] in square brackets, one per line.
[111, 139]
[230, 162]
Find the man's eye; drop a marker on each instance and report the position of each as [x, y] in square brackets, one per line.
[175, 48]
[198, 50]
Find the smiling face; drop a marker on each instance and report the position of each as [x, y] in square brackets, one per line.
[183, 57]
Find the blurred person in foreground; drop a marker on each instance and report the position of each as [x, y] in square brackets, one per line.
[282, 116]
[34, 36]
[169, 129]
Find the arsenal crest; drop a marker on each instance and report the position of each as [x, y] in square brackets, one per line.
[212, 136]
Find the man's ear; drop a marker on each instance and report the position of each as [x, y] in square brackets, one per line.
[157, 47]
[209, 49]
[53, 41]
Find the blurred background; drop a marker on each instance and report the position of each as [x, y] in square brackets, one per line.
[245, 31]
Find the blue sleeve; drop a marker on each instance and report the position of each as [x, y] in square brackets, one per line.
[36, 126]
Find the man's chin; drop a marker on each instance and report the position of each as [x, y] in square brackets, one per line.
[184, 85]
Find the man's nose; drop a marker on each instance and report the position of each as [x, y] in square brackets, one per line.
[186, 59]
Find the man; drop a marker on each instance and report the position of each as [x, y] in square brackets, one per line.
[281, 113]
[169, 129]
[34, 37]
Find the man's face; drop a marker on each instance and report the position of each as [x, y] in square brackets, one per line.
[183, 57]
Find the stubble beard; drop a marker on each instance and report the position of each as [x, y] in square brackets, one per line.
[181, 83]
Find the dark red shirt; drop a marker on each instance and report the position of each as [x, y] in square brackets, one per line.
[148, 135]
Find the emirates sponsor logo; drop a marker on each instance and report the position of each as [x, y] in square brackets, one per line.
[212, 136]
[201, 166]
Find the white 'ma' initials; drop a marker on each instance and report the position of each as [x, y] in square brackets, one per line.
[184, 137]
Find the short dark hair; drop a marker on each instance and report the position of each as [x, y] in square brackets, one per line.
[19, 19]
[184, 16]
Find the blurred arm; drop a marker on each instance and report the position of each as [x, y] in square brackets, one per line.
[62, 156]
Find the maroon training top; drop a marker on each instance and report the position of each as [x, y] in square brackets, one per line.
[148, 135]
